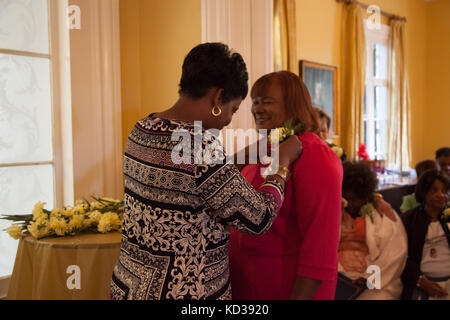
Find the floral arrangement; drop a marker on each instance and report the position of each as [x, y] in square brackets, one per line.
[446, 214]
[288, 129]
[367, 210]
[362, 153]
[339, 151]
[100, 216]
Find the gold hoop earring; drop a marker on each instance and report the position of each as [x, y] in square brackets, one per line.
[218, 113]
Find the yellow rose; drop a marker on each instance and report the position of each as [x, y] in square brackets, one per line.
[33, 229]
[338, 151]
[95, 216]
[447, 213]
[57, 212]
[59, 226]
[76, 222]
[80, 208]
[38, 209]
[109, 221]
[15, 231]
[38, 230]
[68, 212]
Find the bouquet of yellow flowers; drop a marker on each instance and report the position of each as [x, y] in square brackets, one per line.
[100, 216]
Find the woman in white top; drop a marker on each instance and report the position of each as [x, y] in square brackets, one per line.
[372, 247]
[427, 271]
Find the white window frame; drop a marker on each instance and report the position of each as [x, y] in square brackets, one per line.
[54, 79]
[58, 37]
[379, 34]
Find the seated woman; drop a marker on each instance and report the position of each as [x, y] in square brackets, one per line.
[368, 239]
[427, 271]
[409, 201]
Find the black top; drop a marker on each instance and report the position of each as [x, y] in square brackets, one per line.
[416, 222]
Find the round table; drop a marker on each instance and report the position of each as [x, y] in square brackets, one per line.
[67, 268]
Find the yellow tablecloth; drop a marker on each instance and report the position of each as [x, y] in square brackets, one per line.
[47, 268]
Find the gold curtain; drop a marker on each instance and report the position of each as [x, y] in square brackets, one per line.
[353, 79]
[284, 38]
[399, 143]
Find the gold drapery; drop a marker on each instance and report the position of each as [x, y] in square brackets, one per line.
[399, 143]
[353, 79]
[284, 36]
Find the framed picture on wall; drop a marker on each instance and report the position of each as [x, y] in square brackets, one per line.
[321, 81]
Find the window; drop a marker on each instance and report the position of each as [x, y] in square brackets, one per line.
[376, 110]
[28, 132]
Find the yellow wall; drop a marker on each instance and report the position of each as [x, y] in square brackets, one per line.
[318, 39]
[437, 107]
[155, 37]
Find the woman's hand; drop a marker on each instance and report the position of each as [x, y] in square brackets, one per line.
[432, 288]
[290, 150]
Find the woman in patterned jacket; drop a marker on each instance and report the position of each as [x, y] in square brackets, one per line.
[177, 203]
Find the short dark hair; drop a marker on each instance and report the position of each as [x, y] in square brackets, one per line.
[213, 65]
[359, 179]
[425, 165]
[426, 181]
[443, 152]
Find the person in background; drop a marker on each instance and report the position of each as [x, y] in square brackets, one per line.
[427, 271]
[382, 206]
[324, 123]
[409, 201]
[297, 257]
[443, 160]
[324, 130]
[174, 241]
[368, 239]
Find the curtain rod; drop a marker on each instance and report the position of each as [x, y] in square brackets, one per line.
[365, 6]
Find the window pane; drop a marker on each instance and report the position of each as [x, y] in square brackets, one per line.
[380, 61]
[377, 137]
[381, 139]
[380, 102]
[365, 102]
[365, 133]
[25, 109]
[20, 189]
[24, 25]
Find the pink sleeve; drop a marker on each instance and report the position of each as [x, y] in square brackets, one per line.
[317, 190]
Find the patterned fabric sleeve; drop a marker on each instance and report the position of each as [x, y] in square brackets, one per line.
[233, 200]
